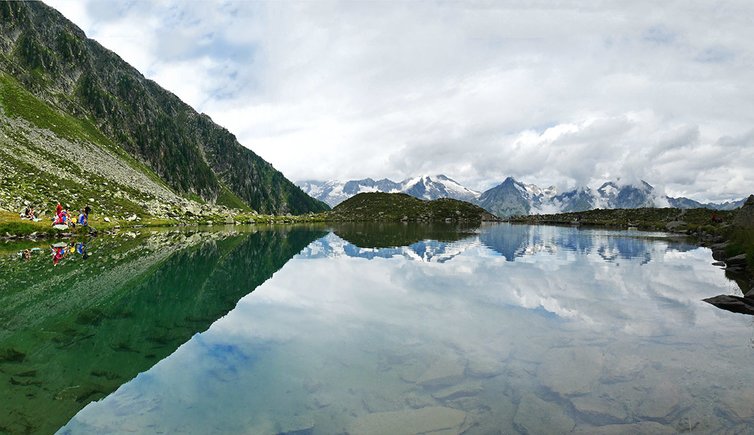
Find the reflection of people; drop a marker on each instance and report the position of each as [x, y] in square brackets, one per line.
[81, 250]
[58, 252]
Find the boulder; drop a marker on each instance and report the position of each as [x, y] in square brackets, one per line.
[737, 261]
[736, 304]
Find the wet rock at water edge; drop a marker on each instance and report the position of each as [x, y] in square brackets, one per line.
[535, 416]
[571, 371]
[644, 427]
[412, 421]
[736, 304]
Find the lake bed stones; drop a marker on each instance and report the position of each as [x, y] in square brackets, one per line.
[571, 371]
[436, 419]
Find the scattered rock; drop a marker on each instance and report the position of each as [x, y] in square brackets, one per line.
[535, 416]
[107, 219]
[411, 421]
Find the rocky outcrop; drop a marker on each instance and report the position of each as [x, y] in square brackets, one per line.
[745, 216]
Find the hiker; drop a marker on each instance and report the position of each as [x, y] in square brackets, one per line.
[87, 210]
[58, 209]
[83, 218]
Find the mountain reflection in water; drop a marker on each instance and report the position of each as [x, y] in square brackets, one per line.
[74, 333]
[510, 330]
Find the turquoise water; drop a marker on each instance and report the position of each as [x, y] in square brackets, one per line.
[510, 329]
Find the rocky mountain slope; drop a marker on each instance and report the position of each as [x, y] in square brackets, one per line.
[428, 187]
[80, 124]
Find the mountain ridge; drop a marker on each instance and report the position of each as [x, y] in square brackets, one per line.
[513, 197]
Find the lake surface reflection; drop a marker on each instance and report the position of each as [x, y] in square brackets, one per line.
[514, 329]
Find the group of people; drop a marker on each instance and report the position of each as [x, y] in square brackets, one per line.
[63, 216]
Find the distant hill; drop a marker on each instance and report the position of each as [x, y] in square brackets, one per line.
[80, 125]
[395, 207]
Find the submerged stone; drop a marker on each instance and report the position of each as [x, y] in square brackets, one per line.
[601, 409]
[411, 421]
[644, 427]
[458, 391]
[659, 401]
[571, 371]
[442, 373]
[535, 416]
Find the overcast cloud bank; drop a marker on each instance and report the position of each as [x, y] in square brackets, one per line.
[568, 95]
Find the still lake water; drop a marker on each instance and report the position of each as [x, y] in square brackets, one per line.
[373, 329]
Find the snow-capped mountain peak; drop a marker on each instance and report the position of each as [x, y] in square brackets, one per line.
[424, 187]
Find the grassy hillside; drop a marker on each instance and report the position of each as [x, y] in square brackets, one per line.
[396, 207]
[57, 86]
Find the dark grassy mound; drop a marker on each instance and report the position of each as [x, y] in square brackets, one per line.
[397, 207]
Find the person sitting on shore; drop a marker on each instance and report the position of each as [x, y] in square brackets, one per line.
[83, 220]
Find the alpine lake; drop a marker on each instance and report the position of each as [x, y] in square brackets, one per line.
[371, 329]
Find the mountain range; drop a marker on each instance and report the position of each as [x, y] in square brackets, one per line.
[80, 125]
[512, 197]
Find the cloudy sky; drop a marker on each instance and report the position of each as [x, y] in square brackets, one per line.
[564, 93]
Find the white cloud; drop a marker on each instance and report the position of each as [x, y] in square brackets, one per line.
[479, 91]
